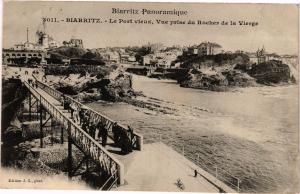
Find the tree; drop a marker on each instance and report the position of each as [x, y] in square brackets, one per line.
[142, 52]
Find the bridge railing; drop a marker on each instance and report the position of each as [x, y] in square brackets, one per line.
[136, 139]
[91, 147]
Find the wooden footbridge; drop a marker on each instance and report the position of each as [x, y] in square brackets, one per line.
[49, 102]
[156, 168]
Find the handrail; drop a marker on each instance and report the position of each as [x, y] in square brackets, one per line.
[82, 139]
[108, 180]
[136, 140]
[216, 172]
[112, 184]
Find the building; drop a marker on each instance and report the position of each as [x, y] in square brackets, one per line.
[161, 59]
[205, 48]
[10, 56]
[29, 52]
[127, 58]
[209, 48]
[111, 56]
[78, 43]
[155, 47]
[262, 56]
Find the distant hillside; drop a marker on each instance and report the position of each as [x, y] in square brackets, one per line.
[68, 52]
[58, 54]
[195, 61]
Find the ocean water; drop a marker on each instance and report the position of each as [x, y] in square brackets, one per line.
[250, 134]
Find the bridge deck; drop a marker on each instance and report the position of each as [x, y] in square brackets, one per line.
[158, 167]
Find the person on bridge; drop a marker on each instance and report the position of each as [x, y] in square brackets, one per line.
[84, 125]
[99, 127]
[72, 108]
[66, 104]
[116, 133]
[75, 114]
[125, 143]
[195, 173]
[92, 129]
[63, 100]
[130, 130]
[104, 134]
[29, 81]
[81, 115]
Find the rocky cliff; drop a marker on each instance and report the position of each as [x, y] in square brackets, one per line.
[224, 71]
[217, 80]
[90, 87]
[271, 72]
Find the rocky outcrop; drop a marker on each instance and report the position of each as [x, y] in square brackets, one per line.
[91, 88]
[217, 81]
[271, 72]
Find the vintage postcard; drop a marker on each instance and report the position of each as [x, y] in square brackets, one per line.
[136, 96]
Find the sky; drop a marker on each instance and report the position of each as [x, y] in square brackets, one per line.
[277, 28]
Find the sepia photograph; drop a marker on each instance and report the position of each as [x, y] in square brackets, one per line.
[159, 97]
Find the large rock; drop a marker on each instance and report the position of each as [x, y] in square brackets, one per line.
[119, 87]
[217, 81]
[91, 88]
[271, 72]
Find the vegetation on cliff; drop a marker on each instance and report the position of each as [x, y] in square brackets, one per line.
[82, 55]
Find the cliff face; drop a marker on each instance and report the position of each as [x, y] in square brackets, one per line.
[91, 87]
[223, 71]
[217, 80]
[271, 72]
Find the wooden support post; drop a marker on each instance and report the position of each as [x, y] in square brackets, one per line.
[29, 106]
[69, 151]
[37, 107]
[87, 166]
[41, 125]
[52, 131]
[62, 135]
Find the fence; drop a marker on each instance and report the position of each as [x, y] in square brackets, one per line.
[83, 140]
[206, 164]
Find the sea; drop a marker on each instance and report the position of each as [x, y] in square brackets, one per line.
[247, 137]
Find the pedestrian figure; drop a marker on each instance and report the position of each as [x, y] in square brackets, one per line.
[62, 100]
[45, 78]
[195, 173]
[98, 132]
[84, 126]
[66, 104]
[92, 129]
[180, 184]
[124, 142]
[116, 133]
[72, 108]
[104, 135]
[130, 130]
[75, 112]
[81, 115]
